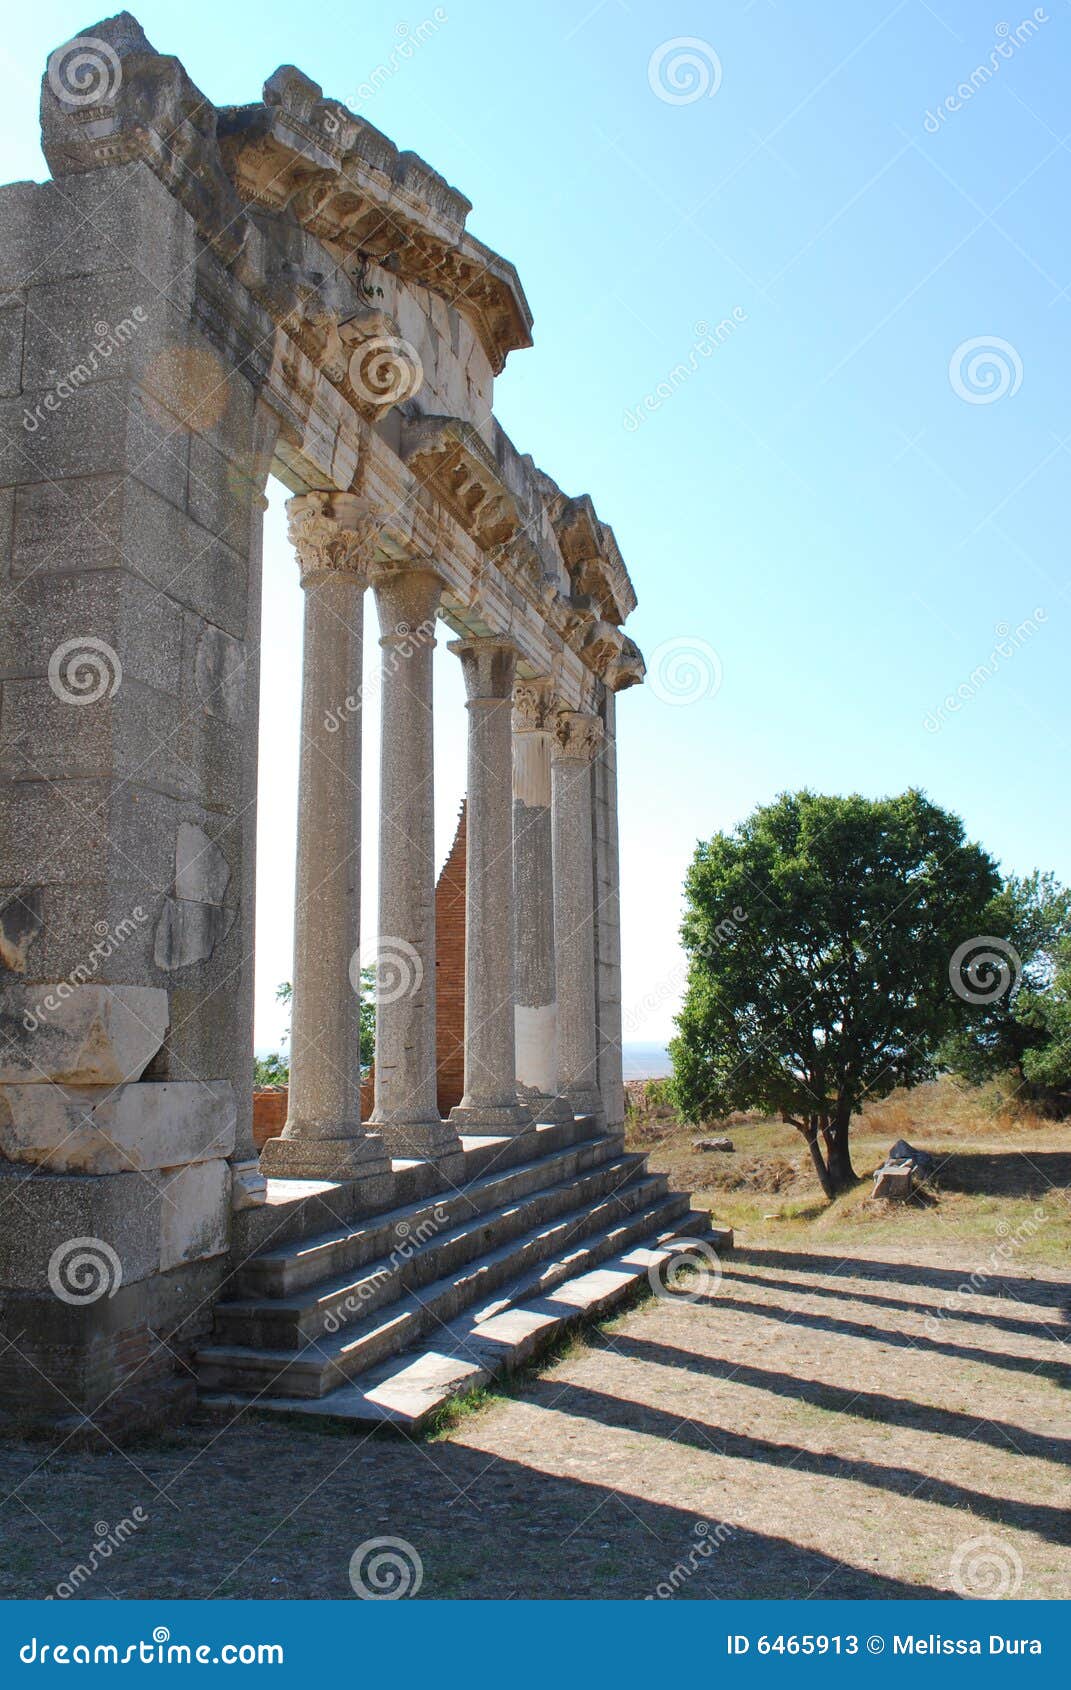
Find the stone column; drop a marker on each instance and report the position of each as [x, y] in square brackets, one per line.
[406, 1112]
[333, 534]
[577, 737]
[608, 919]
[535, 1013]
[490, 1100]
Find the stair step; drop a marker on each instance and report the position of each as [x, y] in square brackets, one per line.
[291, 1267]
[351, 1298]
[641, 1207]
[405, 1392]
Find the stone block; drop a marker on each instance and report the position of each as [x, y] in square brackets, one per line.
[189, 932]
[12, 321]
[894, 1181]
[106, 1130]
[712, 1144]
[79, 1035]
[79, 1236]
[195, 1207]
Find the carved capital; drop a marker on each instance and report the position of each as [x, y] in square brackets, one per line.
[333, 531]
[487, 663]
[535, 705]
[577, 736]
[407, 598]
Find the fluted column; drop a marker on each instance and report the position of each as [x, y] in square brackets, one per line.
[535, 1011]
[490, 1101]
[577, 736]
[334, 535]
[406, 1110]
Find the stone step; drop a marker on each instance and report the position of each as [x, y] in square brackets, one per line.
[638, 1209]
[293, 1266]
[417, 1259]
[298, 1209]
[407, 1391]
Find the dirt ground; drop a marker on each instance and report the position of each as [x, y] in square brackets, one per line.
[819, 1422]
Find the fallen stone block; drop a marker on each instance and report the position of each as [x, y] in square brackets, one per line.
[924, 1164]
[712, 1144]
[894, 1181]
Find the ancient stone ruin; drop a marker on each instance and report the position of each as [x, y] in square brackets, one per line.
[199, 298]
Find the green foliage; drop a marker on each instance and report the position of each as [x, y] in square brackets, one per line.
[274, 1070]
[1046, 1015]
[1017, 1023]
[818, 936]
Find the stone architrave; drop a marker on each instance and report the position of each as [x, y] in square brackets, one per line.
[534, 708]
[406, 1112]
[577, 737]
[334, 535]
[490, 1101]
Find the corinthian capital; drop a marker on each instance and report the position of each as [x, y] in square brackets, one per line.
[332, 531]
[534, 705]
[577, 735]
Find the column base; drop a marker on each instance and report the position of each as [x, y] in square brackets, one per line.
[475, 1117]
[360, 1156]
[586, 1100]
[544, 1106]
[433, 1140]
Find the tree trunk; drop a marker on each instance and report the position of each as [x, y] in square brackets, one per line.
[842, 1175]
[810, 1133]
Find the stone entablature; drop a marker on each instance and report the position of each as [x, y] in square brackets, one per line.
[345, 277]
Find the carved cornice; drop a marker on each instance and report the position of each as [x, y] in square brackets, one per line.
[449, 457]
[296, 154]
[591, 554]
[332, 533]
[347, 184]
[577, 736]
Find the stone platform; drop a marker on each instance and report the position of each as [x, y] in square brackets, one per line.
[336, 1321]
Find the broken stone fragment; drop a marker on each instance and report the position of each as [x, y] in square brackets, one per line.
[108, 1130]
[20, 922]
[712, 1144]
[63, 1034]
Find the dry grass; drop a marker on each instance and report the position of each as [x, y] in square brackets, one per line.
[1004, 1179]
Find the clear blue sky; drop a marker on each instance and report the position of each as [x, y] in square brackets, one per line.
[815, 501]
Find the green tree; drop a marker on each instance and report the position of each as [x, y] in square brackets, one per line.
[818, 935]
[1003, 1023]
[274, 1069]
[1046, 1014]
